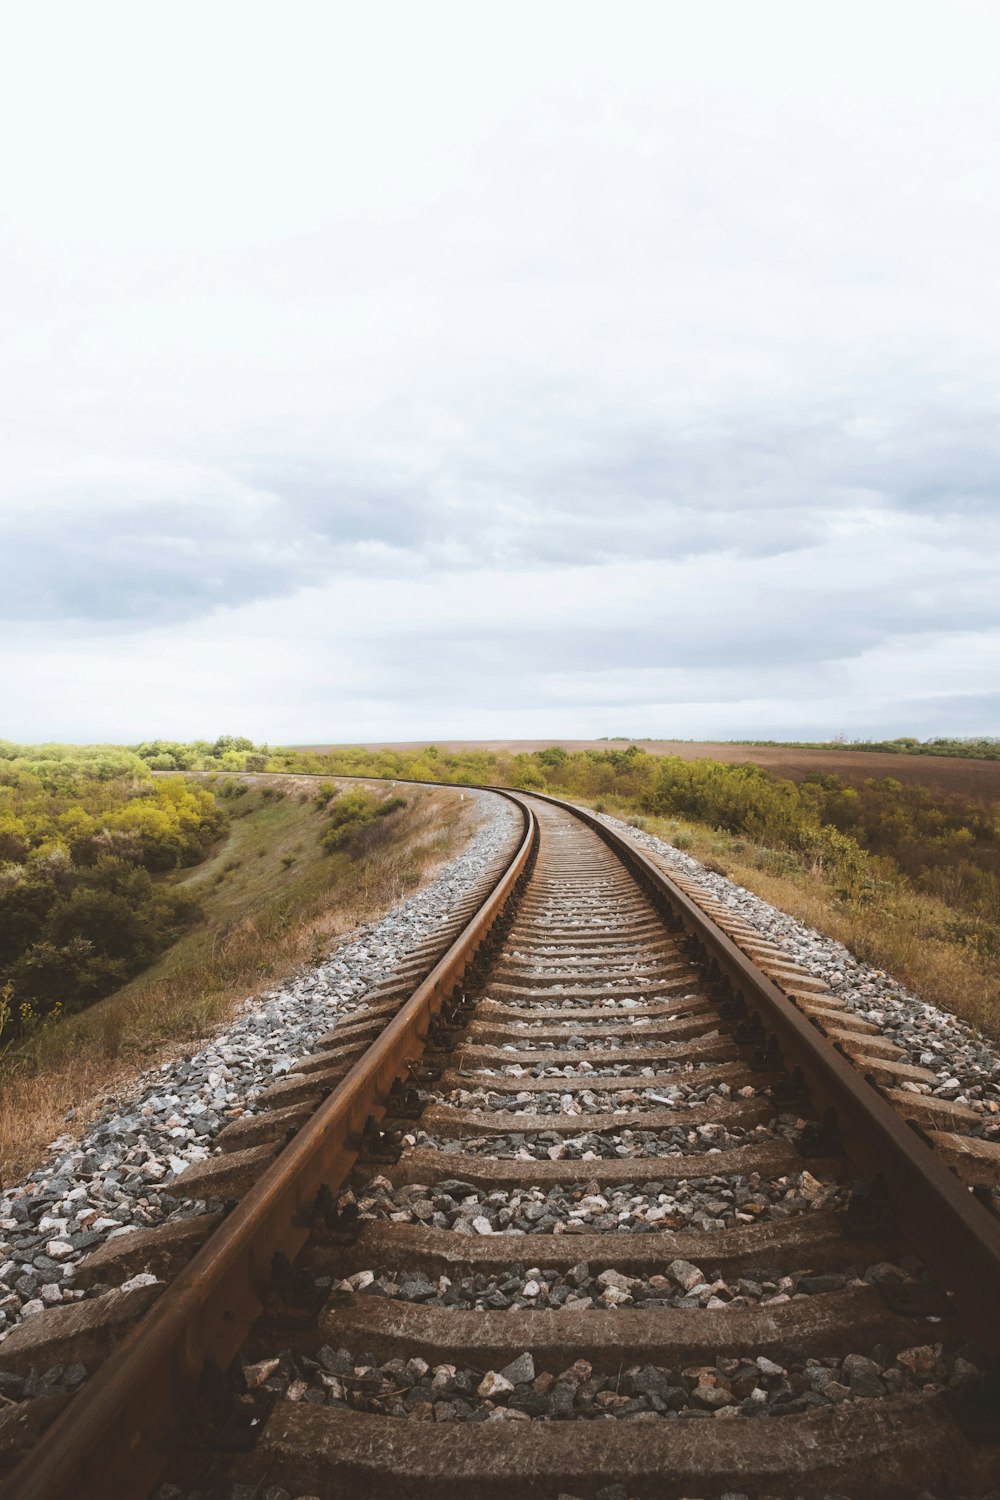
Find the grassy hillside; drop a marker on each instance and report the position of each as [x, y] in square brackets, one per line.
[271, 899]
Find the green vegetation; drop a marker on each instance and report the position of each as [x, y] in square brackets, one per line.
[870, 843]
[985, 747]
[230, 752]
[270, 899]
[92, 846]
[356, 822]
[272, 871]
[86, 835]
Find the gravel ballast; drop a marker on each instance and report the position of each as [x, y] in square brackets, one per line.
[118, 1177]
[968, 1068]
[681, 1284]
[732, 1387]
[704, 1203]
[546, 1145]
[682, 1091]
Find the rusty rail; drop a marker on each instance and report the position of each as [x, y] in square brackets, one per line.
[958, 1237]
[116, 1435]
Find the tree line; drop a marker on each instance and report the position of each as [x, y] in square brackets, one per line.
[86, 837]
[980, 747]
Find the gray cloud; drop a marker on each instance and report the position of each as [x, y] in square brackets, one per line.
[748, 483]
[153, 565]
[635, 390]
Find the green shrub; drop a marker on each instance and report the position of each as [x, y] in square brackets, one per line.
[80, 911]
[353, 819]
[390, 805]
[775, 861]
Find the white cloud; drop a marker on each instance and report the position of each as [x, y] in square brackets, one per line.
[393, 370]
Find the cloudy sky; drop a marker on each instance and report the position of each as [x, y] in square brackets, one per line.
[396, 370]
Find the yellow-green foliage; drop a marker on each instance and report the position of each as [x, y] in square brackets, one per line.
[83, 833]
[860, 837]
[230, 752]
[357, 821]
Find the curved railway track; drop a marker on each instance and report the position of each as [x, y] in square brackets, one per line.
[597, 1195]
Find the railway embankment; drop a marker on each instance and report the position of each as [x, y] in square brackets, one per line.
[608, 1170]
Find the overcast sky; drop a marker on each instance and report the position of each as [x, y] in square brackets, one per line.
[392, 371]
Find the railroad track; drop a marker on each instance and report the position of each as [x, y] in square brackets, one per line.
[597, 1196]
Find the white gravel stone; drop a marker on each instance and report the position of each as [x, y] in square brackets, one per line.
[118, 1177]
[685, 1274]
[968, 1068]
[493, 1384]
[144, 1278]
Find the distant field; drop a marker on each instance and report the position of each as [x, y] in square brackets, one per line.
[973, 778]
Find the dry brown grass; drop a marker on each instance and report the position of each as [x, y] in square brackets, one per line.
[265, 919]
[904, 934]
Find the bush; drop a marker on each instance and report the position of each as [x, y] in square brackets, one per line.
[947, 846]
[390, 805]
[354, 817]
[775, 861]
[80, 912]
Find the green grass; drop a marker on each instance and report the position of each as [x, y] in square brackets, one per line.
[272, 901]
[269, 868]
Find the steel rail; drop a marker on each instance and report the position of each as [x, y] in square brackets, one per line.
[152, 1382]
[115, 1436]
[957, 1237]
